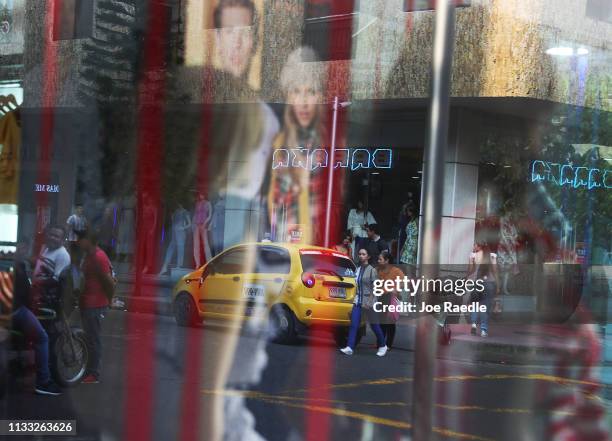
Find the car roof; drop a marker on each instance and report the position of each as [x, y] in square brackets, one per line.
[286, 245]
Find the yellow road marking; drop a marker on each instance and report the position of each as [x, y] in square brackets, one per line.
[261, 395]
[397, 380]
[358, 415]
[289, 399]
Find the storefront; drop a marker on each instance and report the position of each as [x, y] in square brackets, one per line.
[12, 15]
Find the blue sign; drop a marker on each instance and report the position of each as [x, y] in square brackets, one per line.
[567, 174]
[353, 158]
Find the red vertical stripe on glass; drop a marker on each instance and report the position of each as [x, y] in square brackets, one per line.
[321, 367]
[140, 353]
[191, 396]
[49, 95]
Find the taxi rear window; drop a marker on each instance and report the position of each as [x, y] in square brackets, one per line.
[327, 264]
[273, 260]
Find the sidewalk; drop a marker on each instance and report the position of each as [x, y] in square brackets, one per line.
[511, 344]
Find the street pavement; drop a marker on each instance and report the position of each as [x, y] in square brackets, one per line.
[158, 380]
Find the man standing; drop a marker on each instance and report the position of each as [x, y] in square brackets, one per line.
[95, 300]
[53, 257]
[375, 244]
[76, 222]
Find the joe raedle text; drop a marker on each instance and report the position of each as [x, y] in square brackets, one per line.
[428, 307]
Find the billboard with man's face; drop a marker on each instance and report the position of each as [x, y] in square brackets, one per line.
[226, 35]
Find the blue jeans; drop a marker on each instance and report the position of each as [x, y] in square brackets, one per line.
[356, 321]
[91, 320]
[25, 321]
[486, 298]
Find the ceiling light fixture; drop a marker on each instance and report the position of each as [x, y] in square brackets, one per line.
[566, 51]
[561, 51]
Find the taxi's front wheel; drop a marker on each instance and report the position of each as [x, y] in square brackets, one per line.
[281, 325]
[185, 312]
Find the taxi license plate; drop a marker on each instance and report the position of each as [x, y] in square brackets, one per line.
[337, 293]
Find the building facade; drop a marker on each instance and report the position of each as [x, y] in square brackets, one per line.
[121, 99]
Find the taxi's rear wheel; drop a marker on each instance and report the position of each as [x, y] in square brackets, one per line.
[282, 325]
[185, 312]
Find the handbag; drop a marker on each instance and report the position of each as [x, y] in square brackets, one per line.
[395, 314]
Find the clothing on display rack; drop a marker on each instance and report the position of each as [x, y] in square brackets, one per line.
[10, 144]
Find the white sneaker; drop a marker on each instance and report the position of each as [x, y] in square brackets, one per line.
[474, 329]
[382, 351]
[347, 351]
[484, 334]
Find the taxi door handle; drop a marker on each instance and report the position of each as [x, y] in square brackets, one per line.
[235, 278]
[278, 280]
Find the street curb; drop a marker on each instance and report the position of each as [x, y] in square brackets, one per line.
[147, 305]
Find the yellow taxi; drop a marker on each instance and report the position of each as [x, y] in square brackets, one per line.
[294, 285]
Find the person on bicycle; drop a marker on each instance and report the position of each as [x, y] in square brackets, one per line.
[94, 300]
[52, 260]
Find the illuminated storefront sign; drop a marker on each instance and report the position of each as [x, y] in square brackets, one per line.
[566, 174]
[353, 158]
[48, 188]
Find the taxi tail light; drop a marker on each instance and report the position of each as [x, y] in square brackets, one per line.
[308, 280]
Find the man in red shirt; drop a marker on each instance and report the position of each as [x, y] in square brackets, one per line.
[95, 299]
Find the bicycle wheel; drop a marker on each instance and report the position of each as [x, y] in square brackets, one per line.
[69, 358]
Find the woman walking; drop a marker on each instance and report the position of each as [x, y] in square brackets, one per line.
[386, 271]
[483, 265]
[364, 301]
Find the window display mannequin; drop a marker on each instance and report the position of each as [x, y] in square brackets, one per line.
[507, 250]
[125, 229]
[409, 251]
[181, 223]
[403, 219]
[149, 216]
[105, 228]
[201, 219]
[217, 224]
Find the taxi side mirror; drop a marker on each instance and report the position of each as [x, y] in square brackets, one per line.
[208, 271]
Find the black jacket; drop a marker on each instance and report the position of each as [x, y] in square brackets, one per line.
[375, 248]
[22, 286]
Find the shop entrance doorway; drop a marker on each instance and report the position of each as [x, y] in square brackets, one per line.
[384, 192]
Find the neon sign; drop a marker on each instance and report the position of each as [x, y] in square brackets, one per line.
[53, 188]
[353, 158]
[568, 175]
